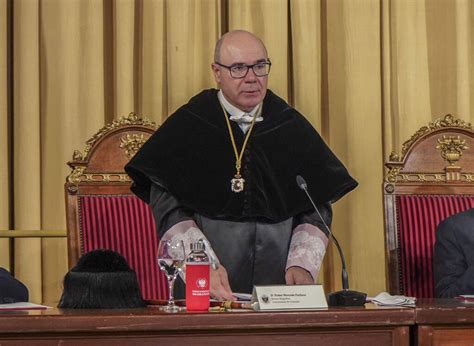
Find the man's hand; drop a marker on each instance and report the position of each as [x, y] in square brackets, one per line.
[220, 288]
[298, 276]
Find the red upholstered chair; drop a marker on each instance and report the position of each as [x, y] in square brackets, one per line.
[101, 211]
[431, 179]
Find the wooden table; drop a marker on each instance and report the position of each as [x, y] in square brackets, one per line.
[444, 322]
[336, 326]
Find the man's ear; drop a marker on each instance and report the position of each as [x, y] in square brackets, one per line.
[217, 72]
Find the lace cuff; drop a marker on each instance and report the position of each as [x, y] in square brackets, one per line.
[307, 248]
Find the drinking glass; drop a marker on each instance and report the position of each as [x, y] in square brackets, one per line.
[171, 256]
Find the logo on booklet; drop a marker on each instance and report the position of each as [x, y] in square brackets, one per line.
[201, 283]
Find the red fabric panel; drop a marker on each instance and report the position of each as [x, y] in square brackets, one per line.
[418, 217]
[124, 224]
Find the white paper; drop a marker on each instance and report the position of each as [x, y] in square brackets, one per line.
[23, 306]
[246, 297]
[385, 299]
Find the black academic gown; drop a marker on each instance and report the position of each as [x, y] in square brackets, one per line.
[253, 252]
[189, 163]
[453, 263]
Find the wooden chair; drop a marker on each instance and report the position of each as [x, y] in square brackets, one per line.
[102, 212]
[432, 179]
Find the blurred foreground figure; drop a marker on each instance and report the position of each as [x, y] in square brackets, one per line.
[11, 289]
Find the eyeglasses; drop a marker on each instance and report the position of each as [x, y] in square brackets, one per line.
[261, 69]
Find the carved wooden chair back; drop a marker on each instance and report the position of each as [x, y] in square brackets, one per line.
[431, 179]
[101, 211]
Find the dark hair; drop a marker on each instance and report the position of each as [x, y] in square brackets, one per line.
[101, 279]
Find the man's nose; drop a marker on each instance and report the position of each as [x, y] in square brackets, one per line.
[251, 76]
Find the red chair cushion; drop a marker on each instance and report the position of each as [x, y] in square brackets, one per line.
[124, 224]
[417, 219]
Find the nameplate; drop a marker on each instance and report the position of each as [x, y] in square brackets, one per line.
[291, 297]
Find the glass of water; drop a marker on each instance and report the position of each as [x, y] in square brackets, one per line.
[171, 256]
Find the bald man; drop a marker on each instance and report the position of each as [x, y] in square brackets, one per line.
[223, 168]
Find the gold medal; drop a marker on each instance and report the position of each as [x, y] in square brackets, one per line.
[237, 182]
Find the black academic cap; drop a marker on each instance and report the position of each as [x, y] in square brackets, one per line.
[101, 279]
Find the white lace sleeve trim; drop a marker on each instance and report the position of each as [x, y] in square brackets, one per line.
[307, 248]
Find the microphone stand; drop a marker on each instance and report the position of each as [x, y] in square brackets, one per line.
[345, 297]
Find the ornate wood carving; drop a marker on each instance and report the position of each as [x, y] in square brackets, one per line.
[130, 142]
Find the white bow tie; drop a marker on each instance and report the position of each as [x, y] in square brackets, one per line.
[244, 118]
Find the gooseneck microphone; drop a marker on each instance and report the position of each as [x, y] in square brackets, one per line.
[345, 297]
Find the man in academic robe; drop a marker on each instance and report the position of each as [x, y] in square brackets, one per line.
[453, 259]
[223, 168]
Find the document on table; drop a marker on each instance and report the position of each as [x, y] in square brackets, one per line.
[23, 306]
[385, 299]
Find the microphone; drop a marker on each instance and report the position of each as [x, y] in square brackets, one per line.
[345, 297]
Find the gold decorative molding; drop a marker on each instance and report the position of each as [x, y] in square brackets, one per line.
[76, 174]
[451, 148]
[394, 156]
[107, 177]
[131, 119]
[392, 175]
[417, 177]
[132, 143]
[425, 177]
[406, 145]
[389, 188]
[453, 173]
[448, 121]
[77, 155]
